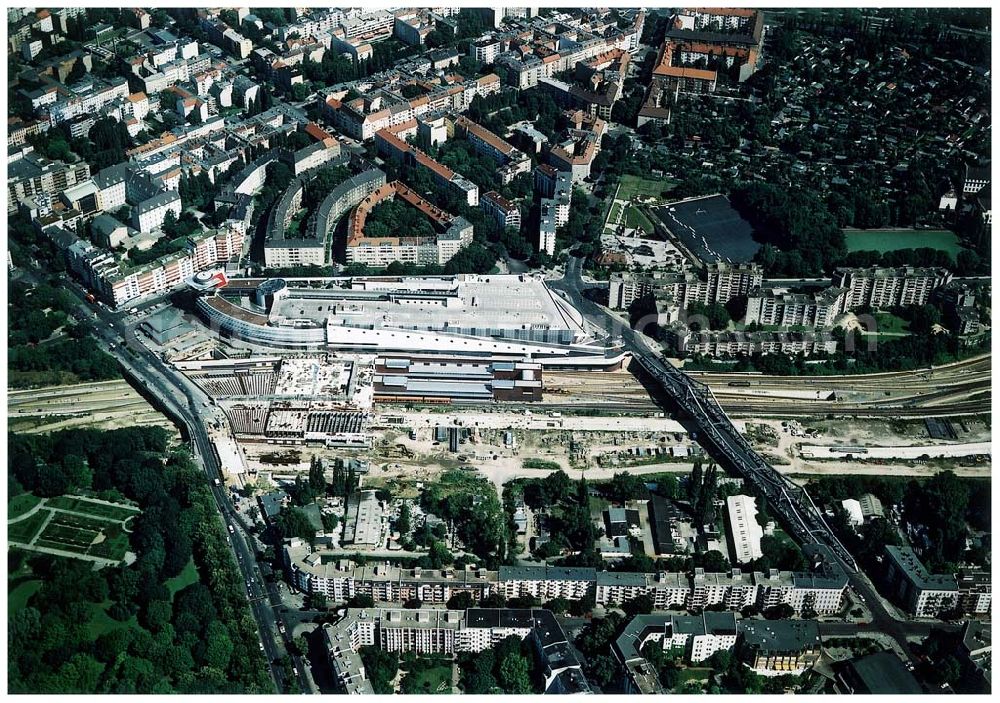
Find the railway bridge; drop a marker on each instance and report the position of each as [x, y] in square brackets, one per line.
[790, 501]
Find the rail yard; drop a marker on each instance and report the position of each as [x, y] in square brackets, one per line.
[961, 388]
[105, 405]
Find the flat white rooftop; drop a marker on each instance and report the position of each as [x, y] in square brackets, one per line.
[510, 306]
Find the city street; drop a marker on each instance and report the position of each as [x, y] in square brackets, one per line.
[184, 401]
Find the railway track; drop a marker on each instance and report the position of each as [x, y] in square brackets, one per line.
[797, 410]
[979, 367]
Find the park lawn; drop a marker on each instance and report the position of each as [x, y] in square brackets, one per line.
[24, 530]
[635, 185]
[636, 219]
[17, 598]
[460, 481]
[598, 506]
[613, 214]
[435, 679]
[187, 576]
[98, 510]
[891, 324]
[19, 505]
[891, 240]
[101, 623]
[693, 674]
[295, 224]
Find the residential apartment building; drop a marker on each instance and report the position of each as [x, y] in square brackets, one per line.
[510, 160]
[88, 98]
[32, 175]
[699, 637]
[581, 144]
[820, 589]
[391, 145]
[773, 647]
[666, 589]
[975, 592]
[18, 130]
[767, 306]
[453, 233]
[769, 647]
[716, 283]
[227, 39]
[314, 571]
[977, 177]
[427, 631]
[116, 282]
[879, 287]
[685, 341]
[922, 593]
[485, 50]
[150, 214]
[500, 210]
[556, 189]
[284, 248]
[545, 582]
[362, 118]
[540, 54]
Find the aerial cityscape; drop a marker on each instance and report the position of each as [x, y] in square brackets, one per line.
[511, 350]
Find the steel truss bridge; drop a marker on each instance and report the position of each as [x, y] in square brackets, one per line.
[785, 498]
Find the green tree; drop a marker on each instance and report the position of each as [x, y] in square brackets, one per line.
[694, 483]
[461, 601]
[713, 561]
[293, 522]
[603, 670]
[360, 601]
[513, 674]
[317, 601]
[640, 605]
[317, 478]
[403, 521]
[624, 486]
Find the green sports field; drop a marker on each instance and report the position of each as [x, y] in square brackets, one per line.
[891, 240]
[634, 185]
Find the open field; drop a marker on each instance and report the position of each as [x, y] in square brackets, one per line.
[891, 240]
[104, 404]
[17, 598]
